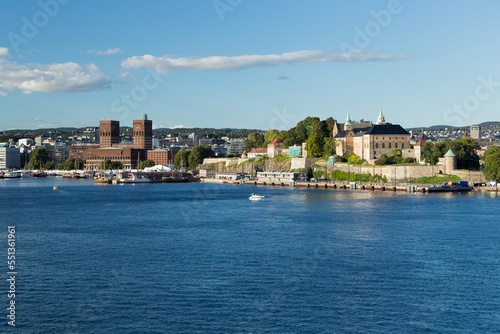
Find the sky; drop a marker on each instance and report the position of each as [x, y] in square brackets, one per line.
[248, 63]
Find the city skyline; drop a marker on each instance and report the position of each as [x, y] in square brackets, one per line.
[242, 64]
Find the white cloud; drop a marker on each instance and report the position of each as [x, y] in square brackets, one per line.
[178, 127]
[52, 78]
[4, 52]
[106, 52]
[223, 63]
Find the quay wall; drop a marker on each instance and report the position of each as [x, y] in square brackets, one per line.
[406, 173]
[393, 173]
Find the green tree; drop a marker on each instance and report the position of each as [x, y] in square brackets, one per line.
[395, 152]
[270, 135]
[431, 153]
[316, 140]
[39, 157]
[330, 122]
[329, 148]
[50, 165]
[198, 153]
[147, 163]
[79, 164]
[465, 148]
[382, 160]
[254, 140]
[108, 164]
[181, 159]
[353, 159]
[492, 163]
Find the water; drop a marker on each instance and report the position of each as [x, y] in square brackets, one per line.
[202, 258]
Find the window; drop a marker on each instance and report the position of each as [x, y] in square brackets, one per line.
[389, 145]
[403, 145]
[396, 145]
[376, 145]
[389, 138]
[383, 145]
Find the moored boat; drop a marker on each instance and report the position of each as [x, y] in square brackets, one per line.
[135, 179]
[11, 175]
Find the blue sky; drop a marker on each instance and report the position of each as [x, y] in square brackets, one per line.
[248, 63]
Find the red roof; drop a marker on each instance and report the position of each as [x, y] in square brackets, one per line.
[276, 141]
[420, 142]
[259, 150]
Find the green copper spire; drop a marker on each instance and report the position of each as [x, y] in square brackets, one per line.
[450, 153]
[348, 119]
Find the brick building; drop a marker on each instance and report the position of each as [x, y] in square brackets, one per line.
[110, 147]
[162, 157]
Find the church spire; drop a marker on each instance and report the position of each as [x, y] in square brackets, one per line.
[381, 118]
[348, 119]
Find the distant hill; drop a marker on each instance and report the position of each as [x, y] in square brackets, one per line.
[489, 124]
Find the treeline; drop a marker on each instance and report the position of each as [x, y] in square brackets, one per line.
[190, 159]
[465, 149]
[317, 135]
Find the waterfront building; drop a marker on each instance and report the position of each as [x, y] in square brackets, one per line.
[9, 157]
[130, 154]
[207, 173]
[129, 157]
[284, 177]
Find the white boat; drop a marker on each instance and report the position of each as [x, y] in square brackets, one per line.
[255, 197]
[135, 179]
[56, 187]
[11, 175]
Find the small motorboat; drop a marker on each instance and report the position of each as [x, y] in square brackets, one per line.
[55, 187]
[255, 197]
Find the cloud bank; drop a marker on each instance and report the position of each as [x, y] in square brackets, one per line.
[222, 63]
[52, 78]
[106, 52]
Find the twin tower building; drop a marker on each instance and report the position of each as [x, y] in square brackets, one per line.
[110, 146]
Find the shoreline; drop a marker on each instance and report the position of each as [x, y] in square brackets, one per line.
[412, 188]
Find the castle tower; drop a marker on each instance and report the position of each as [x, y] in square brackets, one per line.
[348, 122]
[381, 118]
[143, 133]
[450, 161]
[109, 133]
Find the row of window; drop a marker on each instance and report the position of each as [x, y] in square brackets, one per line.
[110, 158]
[395, 138]
[390, 146]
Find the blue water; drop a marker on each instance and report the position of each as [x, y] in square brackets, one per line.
[202, 258]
